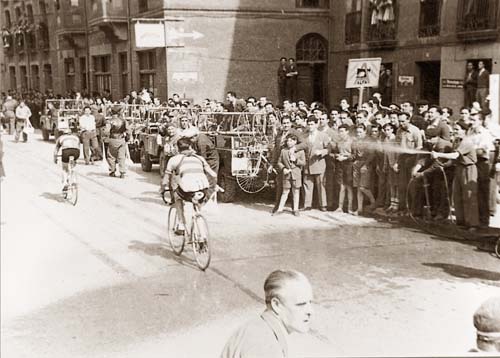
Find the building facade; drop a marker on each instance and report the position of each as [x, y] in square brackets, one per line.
[426, 44]
[215, 47]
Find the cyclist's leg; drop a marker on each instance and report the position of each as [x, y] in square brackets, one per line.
[181, 218]
[65, 174]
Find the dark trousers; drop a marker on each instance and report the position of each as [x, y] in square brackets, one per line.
[483, 191]
[332, 190]
[116, 153]
[281, 90]
[405, 165]
[278, 188]
[291, 87]
[469, 96]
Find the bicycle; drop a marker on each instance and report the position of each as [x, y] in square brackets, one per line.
[197, 236]
[70, 193]
[497, 248]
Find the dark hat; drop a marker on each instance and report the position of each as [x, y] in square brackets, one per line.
[422, 102]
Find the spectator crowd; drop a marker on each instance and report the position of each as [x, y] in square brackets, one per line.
[397, 159]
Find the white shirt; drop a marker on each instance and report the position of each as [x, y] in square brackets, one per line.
[23, 112]
[87, 123]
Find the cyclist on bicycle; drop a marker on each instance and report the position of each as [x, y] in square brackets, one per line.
[187, 175]
[69, 143]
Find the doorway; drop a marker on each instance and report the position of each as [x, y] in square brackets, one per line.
[430, 80]
[312, 54]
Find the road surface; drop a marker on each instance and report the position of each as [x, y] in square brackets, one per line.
[95, 280]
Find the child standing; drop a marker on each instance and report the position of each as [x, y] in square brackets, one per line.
[291, 162]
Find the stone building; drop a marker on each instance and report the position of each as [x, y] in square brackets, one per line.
[425, 43]
[221, 45]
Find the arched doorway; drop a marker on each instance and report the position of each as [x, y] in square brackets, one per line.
[312, 58]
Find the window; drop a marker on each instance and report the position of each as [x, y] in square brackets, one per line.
[124, 73]
[353, 5]
[47, 75]
[35, 77]
[8, 22]
[430, 14]
[75, 3]
[12, 77]
[18, 13]
[321, 4]
[476, 15]
[93, 5]
[23, 76]
[312, 48]
[29, 10]
[353, 22]
[102, 73]
[147, 69]
[382, 20]
[143, 5]
[43, 8]
[83, 71]
[43, 35]
[69, 73]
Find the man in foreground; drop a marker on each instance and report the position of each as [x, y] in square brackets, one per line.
[288, 295]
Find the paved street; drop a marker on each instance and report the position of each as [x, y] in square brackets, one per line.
[95, 280]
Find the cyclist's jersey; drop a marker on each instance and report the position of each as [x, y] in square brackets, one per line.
[67, 141]
[191, 171]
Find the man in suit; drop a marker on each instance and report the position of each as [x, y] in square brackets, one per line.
[470, 85]
[282, 69]
[316, 148]
[292, 75]
[483, 84]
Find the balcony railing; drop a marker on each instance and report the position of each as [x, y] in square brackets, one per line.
[313, 4]
[428, 30]
[477, 19]
[382, 31]
[353, 27]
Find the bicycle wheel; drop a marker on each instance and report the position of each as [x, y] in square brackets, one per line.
[199, 240]
[497, 248]
[176, 237]
[255, 178]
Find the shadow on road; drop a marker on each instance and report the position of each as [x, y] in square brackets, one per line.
[53, 196]
[466, 272]
[157, 249]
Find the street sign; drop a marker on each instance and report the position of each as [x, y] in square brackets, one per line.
[452, 83]
[149, 34]
[406, 81]
[363, 72]
[185, 76]
[163, 33]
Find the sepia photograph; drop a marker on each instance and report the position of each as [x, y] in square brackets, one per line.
[249, 178]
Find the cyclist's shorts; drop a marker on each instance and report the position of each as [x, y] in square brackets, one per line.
[188, 195]
[69, 152]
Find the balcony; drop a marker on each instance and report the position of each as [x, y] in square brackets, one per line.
[382, 35]
[313, 4]
[477, 20]
[353, 27]
[110, 17]
[382, 26]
